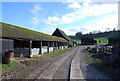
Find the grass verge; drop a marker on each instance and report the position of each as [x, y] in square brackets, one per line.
[89, 58]
[8, 68]
[113, 73]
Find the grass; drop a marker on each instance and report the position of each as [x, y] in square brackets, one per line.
[90, 59]
[102, 41]
[36, 55]
[78, 42]
[15, 66]
[111, 72]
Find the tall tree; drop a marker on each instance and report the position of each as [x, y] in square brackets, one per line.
[79, 35]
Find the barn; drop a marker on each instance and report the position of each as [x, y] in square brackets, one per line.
[60, 33]
[88, 41]
[113, 40]
[25, 42]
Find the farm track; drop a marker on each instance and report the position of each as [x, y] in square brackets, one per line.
[61, 69]
[68, 65]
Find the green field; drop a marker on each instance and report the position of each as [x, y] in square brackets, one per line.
[102, 41]
[78, 42]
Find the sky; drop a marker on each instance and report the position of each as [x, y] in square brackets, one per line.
[69, 16]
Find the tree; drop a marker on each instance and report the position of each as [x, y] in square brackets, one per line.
[114, 29]
[79, 35]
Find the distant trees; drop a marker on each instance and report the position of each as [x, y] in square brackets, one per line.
[97, 34]
[79, 35]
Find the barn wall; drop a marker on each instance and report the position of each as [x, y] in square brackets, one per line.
[25, 51]
[20, 52]
[35, 51]
[20, 49]
[7, 44]
[71, 42]
[44, 49]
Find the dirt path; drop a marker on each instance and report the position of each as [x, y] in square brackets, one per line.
[75, 70]
[57, 69]
[71, 66]
[68, 65]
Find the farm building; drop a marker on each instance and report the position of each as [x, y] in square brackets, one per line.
[113, 40]
[25, 42]
[88, 41]
[60, 33]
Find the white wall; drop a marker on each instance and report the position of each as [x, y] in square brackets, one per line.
[44, 49]
[25, 51]
[35, 51]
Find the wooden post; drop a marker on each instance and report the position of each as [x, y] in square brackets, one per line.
[48, 47]
[53, 46]
[30, 49]
[68, 44]
[60, 45]
[63, 45]
[40, 49]
[56, 45]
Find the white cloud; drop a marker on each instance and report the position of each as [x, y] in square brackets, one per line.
[107, 23]
[67, 32]
[35, 20]
[72, 1]
[85, 10]
[36, 12]
[103, 24]
[36, 9]
[55, 20]
[74, 29]
[74, 5]
[69, 1]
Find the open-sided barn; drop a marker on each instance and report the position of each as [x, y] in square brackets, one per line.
[22, 40]
[60, 33]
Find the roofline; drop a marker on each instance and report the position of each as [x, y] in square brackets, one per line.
[49, 36]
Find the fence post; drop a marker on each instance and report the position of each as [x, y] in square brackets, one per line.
[40, 49]
[48, 47]
[30, 49]
[56, 45]
[53, 46]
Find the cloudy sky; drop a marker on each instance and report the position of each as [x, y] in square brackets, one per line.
[70, 16]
